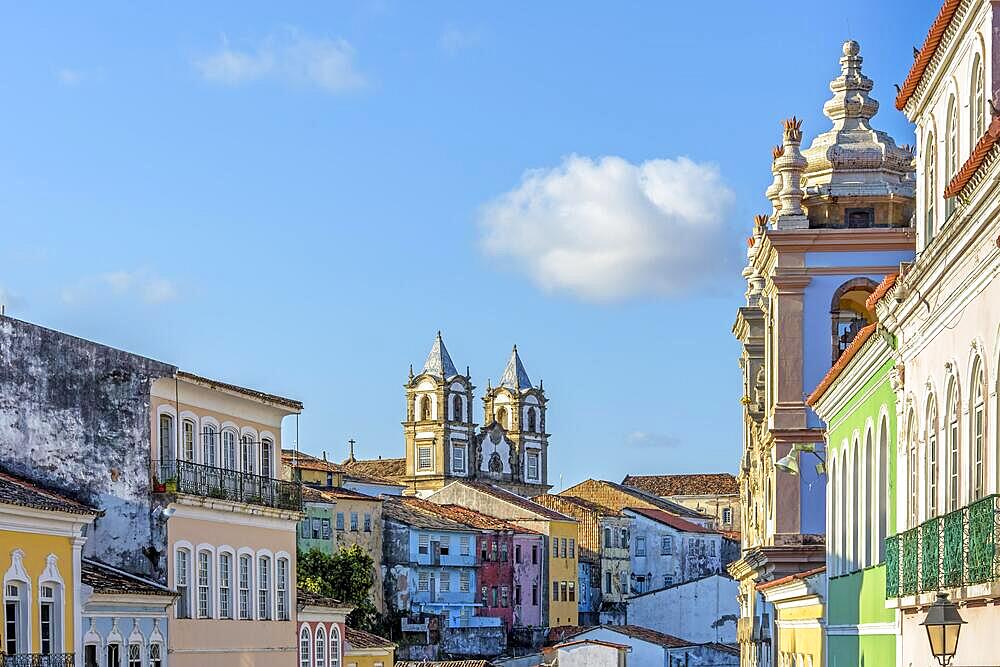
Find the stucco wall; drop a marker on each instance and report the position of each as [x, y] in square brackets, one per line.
[75, 415]
[683, 563]
[643, 653]
[528, 575]
[699, 611]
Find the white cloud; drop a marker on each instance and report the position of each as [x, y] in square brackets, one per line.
[288, 56]
[651, 440]
[606, 229]
[454, 40]
[70, 77]
[142, 285]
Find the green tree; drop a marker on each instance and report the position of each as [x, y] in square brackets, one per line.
[348, 576]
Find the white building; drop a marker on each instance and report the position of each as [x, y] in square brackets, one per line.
[703, 610]
[668, 550]
[646, 648]
[944, 311]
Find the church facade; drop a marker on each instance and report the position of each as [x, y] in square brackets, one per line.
[445, 444]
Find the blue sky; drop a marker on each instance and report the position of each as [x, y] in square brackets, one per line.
[297, 197]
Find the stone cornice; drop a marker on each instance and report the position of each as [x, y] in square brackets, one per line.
[839, 240]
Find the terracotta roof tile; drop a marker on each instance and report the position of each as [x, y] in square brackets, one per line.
[304, 597]
[702, 484]
[308, 461]
[831, 375]
[553, 502]
[792, 577]
[444, 663]
[290, 403]
[619, 496]
[880, 291]
[108, 580]
[986, 144]
[923, 59]
[671, 520]
[419, 513]
[16, 490]
[478, 520]
[388, 469]
[361, 639]
[311, 494]
[561, 634]
[517, 501]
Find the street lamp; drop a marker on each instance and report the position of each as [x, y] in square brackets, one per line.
[790, 461]
[943, 624]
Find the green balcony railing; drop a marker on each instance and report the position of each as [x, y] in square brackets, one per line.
[958, 549]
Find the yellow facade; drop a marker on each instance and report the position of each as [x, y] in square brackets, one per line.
[799, 618]
[563, 573]
[372, 657]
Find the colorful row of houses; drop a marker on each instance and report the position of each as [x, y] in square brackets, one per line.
[871, 342]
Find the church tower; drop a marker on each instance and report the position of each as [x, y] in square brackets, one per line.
[438, 426]
[513, 445]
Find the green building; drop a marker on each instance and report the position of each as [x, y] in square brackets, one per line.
[857, 401]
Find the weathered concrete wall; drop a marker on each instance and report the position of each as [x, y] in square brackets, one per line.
[396, 570]
[74, 415]
[473, 642]
[691, 555]
[528, 577]
[699, 611]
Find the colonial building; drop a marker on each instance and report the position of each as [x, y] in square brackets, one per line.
[619, 497]
[943, 312]
[840, 221]
[799, 626]
[700, 610]
[857, 401]
[668, 550]
[444, 443]
[716, 495]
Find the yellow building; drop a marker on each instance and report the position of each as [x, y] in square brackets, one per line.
[363, 649]
[40, 551]
[559, 568]
[799, 617]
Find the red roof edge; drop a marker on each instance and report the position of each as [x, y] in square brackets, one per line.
[923, 59]
[880, 291]
[976, 159]
[841, 364]
[792, 577]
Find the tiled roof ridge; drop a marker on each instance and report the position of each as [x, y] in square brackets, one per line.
[369, 639]
[479, 520]
[671, 520]
[163, 590]
[680, 484]
[880, 291]
[831, 375]
[70, 504]
[976, 159]
[791, 577]
[585, 503]
[518, 501]
[927, 51]
[253, 393]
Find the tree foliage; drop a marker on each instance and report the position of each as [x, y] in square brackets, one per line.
[348, 576]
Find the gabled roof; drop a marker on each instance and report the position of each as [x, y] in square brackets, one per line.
[554, 502]
[563, 634]
[311, 494]
[308, 462]
[514, 376]
[478, 520]
[308, 598]
[361, 639]
[880, 291]
[16, 490]
[791, 577]
[701, 484]
[438, 361]
[516, 500]
[845, 358]
[598, 642]
[419, 513]
[976, 159]
[108, 580]
[670, 520]
[380, 470]
[926, 54]
[618, 496]
[290, 403]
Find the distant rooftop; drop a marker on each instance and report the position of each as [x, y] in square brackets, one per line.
[698, 484]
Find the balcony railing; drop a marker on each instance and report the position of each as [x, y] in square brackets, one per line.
[957, 549]
[211, 482]
[38, 660]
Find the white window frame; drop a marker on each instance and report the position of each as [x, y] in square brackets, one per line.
[225, 581]
[203, 568]
[245, 587]
[264, 598]
[335, 649]
[183, 556]
[281, 582]
[305, 646]
[534, 465]
[459, 458]
[425, 458]
[319, 648]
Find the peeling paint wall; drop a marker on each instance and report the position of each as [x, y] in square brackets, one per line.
[74, 415]
[473, 642]
[699, 611]
[690, 555]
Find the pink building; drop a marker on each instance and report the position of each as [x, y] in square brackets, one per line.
[528, 582]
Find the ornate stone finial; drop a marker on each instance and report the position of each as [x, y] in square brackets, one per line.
[759, 222]
[793, 130]
[777, 152]
[790, 166]
[411, 371]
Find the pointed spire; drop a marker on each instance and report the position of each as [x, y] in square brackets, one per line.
[439, 362]
[514, 376]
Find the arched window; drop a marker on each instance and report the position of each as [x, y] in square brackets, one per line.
[425, 409]
[266, 457]
[933, 472]
[911, 467]
[502, 417]
[883, 486]
[187, 440]
[305, 647]
[833, 504]
[209, 441]
[845, 519]
[16, 610]
[335, 649]
[50, 617]
[456, 408]
[864, 520]
[977, 430]
[952, 462]
[930, 190]
[166, 437]
[229, 449]
[849, 312]
[532, 420]
[248, 455]
[951, 154]
[320, 652]
[855, 517]
[977, 105]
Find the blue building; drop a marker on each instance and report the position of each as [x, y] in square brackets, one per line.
[124, 618]
[429, 562]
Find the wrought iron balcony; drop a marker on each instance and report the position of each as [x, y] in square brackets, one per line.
[950, 551]
[38, 660]
[240, 487]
